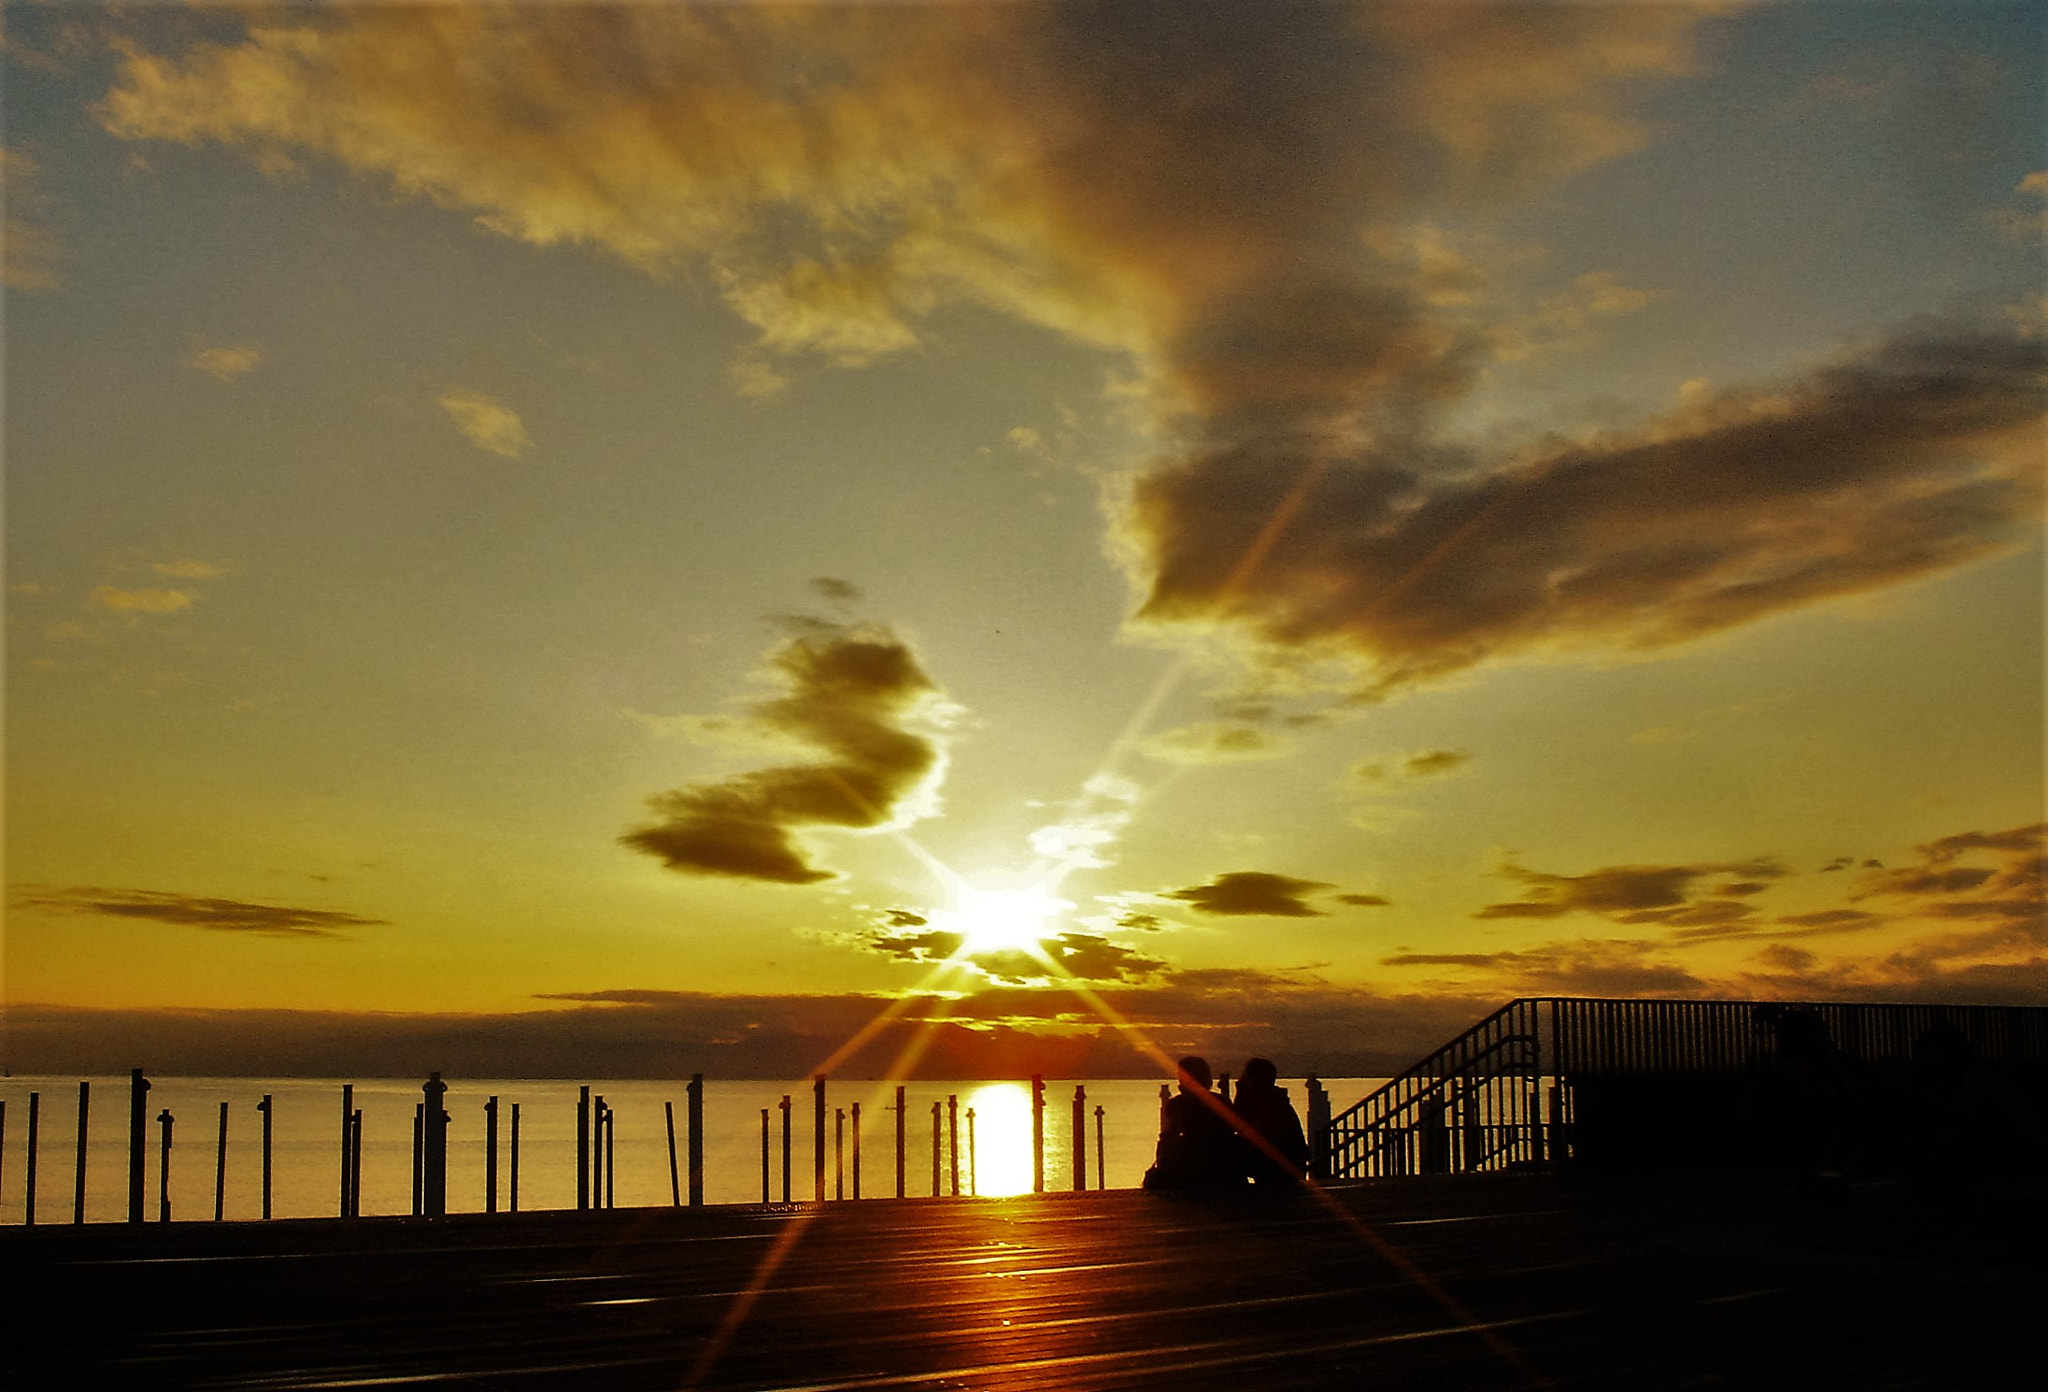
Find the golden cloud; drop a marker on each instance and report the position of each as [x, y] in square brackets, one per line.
[225, 362]
[487, 422]
[143, 601]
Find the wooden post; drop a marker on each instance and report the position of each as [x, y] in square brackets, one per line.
[953, 1141]
[899, 1139]
[1223, 1087]
[583, 1148]
[973, 1163]
[84, 1120]
[264, 1107]
[856, 1150]
[3, 1143]
[512, 1179]
[1080, 1124]
[491, 1155]
[138, 1141]
[818, 1137]
[1037, 1134]
[675, 1188]
[348, 1092]
[764, 1155]
[935, 1149]
[419, 1120]
[1098, 1148]
[35, 1107]
[163, 1171]
[696, 1140]
[611, 1158]
[785, 1147]
[839, 1152]
[220, 1168]
[355, 1163]
[596, 1165]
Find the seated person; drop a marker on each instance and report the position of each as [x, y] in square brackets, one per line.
[1198, 1146]
[1275, 1152]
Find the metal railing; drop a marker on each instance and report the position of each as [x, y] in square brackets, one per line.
[1502, 1093]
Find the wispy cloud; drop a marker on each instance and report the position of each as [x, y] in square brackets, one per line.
[1411, 767]
[859, 698]
[1217, 742]
[487, 422]
[29, 249]
[224, 362]
[141, 601]
[189, 569]
[197, 911]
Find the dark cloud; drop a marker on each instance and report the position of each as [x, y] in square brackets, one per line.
[1640, 893]
[837, 590]
[196, 911]
[640, 1033]
[1252, 892]
[2012, 889]
[1917, 457]
[1364, 901]
[858, 697]
[1084, 956]
[1140, 922]
[1581, 967]
[1407, 768]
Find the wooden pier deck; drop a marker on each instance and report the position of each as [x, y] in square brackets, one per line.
[1503, 1281]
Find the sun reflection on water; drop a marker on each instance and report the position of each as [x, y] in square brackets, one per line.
[1002, 1138]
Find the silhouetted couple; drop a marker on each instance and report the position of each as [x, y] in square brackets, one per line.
[1206, 1142]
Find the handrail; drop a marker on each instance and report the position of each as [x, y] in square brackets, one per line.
[1478, 1102]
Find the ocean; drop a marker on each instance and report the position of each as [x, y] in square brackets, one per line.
[994, 1149]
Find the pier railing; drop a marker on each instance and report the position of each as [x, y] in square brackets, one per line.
[1546, 1079]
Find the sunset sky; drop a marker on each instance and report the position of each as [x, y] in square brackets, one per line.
[595, 532]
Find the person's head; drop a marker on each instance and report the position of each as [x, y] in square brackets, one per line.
[1194, 1074]
[1258, 1073]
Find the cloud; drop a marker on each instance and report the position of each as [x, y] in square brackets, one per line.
[1093, 821]
[220, 915]
[861, 700]
[224, 362]
[1587, 966]
[1408, 768]
[1252, 892]
[144, 601]
[755, 378]
[837, 590]
[1217, 742]
[1914, 458]
[1191, 190]
[29, 249]
[2012, 889]
[188, 569]
[1085, 957]
[1668, 894]
[1002, 1032]
[1364, 901]
[487, 422]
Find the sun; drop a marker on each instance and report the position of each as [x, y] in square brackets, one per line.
[1004, 920]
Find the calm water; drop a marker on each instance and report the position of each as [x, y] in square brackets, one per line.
[306, 1137]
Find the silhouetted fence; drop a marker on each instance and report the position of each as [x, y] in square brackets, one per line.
[596, 1172]
[1678, 1083]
